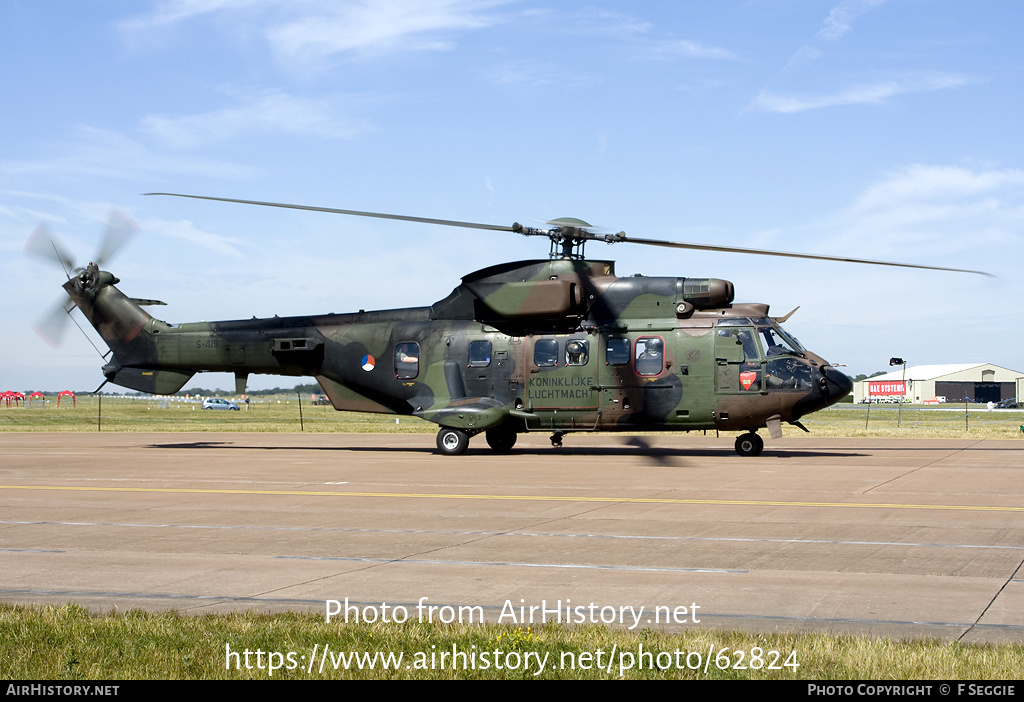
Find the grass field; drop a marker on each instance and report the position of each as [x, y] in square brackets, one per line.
[68, 643]
[282, 414]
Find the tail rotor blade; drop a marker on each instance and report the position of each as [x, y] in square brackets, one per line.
[120, 228]
[51, 327]
[44, 245]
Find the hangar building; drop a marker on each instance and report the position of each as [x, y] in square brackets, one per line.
[978, 382]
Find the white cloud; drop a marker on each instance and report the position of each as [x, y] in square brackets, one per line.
[805, 56]
[267, 113]
[941, 212]
[840, 19]
[102, 153]
[18, 211]
[941, 184]
[184, 230]
[312, 30]
[535, 74]
[868, 94]
[684, 48]
[590, 21]
[175, 11]
[377, 27]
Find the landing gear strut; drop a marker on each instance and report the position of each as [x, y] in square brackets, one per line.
[749, 444]
[556, 439]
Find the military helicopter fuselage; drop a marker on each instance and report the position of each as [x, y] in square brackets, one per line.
[560, 345]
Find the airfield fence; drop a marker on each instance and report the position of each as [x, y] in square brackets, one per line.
[175, 414]
[917, 421]
[282, 414]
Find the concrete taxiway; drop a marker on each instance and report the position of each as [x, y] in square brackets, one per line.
[902, 538]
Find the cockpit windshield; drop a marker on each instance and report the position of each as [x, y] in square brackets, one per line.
[783, 365]
[777, 342]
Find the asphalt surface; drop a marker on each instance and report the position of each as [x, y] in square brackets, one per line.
[902, 538]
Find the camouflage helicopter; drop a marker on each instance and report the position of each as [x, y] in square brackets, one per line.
[558, 345]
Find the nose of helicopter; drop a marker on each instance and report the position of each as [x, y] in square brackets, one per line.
[835, 384]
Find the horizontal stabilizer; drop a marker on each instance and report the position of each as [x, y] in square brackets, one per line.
[156, 382]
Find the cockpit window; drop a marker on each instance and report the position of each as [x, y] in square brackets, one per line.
[777, 342]
[746, 339]
[788, 373]
[790, 339]
[737, 346]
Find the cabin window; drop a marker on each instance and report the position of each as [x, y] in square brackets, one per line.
[407, 360]
[479, 354]
[577, 352]
[545, 353]
[649, 355]
[617, 351]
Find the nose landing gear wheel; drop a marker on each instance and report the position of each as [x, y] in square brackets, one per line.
[452, 442]
[749, 444]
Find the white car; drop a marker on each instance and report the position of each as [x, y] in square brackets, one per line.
[219, 403]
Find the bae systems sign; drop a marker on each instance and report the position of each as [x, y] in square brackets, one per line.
[886, 387]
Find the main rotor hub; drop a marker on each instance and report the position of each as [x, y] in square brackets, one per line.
[568, 237]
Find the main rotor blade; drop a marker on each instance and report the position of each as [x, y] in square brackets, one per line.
[575, 232]
[357, 213]
[787, 254]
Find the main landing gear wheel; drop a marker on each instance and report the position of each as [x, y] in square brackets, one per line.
[749, 444]
[501, 440]
[452, 442]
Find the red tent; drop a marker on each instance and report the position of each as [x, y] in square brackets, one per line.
[11, 396]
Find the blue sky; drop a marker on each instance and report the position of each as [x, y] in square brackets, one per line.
[884, 129]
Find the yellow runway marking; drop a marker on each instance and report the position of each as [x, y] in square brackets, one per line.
[524, 498]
